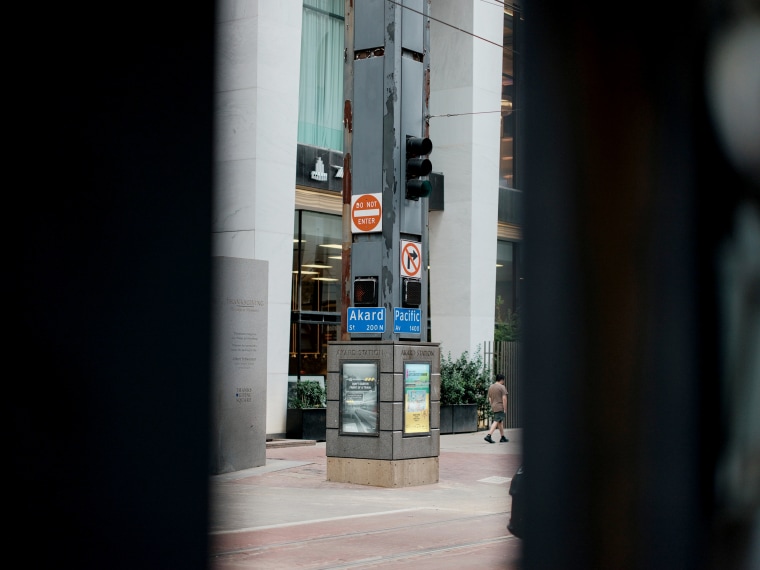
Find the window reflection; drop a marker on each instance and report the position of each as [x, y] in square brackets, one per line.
[506, 164]
[315, 291]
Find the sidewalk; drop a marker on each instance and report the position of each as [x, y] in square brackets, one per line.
[286, 515]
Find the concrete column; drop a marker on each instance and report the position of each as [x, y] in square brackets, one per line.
[256, 92]
[465, 78]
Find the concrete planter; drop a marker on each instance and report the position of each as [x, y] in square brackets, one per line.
[446, 418]
[306, 423]
[459, 418]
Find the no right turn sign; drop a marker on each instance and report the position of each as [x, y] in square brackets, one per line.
[411, 259]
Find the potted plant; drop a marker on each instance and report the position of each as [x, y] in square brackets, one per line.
[464, 388]
[307, 411]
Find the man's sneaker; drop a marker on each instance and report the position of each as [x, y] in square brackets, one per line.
[503, 440]
[488, 439]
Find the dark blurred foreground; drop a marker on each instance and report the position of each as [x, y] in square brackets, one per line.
[639, 223]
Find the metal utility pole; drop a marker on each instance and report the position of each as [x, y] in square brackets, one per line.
[385, 214]
[383, 377]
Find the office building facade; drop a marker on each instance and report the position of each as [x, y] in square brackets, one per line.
[279, 159]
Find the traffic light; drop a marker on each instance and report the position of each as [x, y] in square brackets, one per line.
[417, 167]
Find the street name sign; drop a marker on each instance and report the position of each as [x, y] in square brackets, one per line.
[366, 320]
[406, 321]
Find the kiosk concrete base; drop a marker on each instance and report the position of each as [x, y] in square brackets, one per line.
[383, 413]
[383, 473]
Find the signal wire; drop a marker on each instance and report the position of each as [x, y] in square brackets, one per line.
[447, 24]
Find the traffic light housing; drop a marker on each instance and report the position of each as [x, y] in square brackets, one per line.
[365, 291]
[411, 292]
[417, 167]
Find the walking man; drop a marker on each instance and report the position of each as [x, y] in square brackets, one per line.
[497, 397]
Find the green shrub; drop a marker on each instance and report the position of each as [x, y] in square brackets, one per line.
[307, 394]
[465, 381]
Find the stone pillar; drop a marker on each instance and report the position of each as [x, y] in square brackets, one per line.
[239, 364]
[465, 75]
[256, 100]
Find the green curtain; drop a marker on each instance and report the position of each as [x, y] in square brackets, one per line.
[320, 106]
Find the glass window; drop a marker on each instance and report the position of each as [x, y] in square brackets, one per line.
[508, 103]
[316, 291]
[317, 247]
[506, 288]
[320, 102]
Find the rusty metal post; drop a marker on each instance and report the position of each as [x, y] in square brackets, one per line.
[386, 92]
[348, 127]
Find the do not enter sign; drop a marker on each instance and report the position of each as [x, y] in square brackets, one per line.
[367, 213]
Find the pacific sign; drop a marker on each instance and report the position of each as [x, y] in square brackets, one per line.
[406, 321]
[366, 319]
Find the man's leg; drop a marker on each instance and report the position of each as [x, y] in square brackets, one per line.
[501, 430]
[490, 431]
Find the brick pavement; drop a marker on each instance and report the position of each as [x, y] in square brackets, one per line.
[287, 515]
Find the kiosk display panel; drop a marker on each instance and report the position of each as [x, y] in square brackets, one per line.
[359, 398]
[416, 398]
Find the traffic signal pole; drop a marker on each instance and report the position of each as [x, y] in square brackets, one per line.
[383, 377]
[386, 164]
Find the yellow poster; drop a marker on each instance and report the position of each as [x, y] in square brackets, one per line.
[416, 397]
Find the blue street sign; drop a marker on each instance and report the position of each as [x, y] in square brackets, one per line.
[406, 321]
[366, 319]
